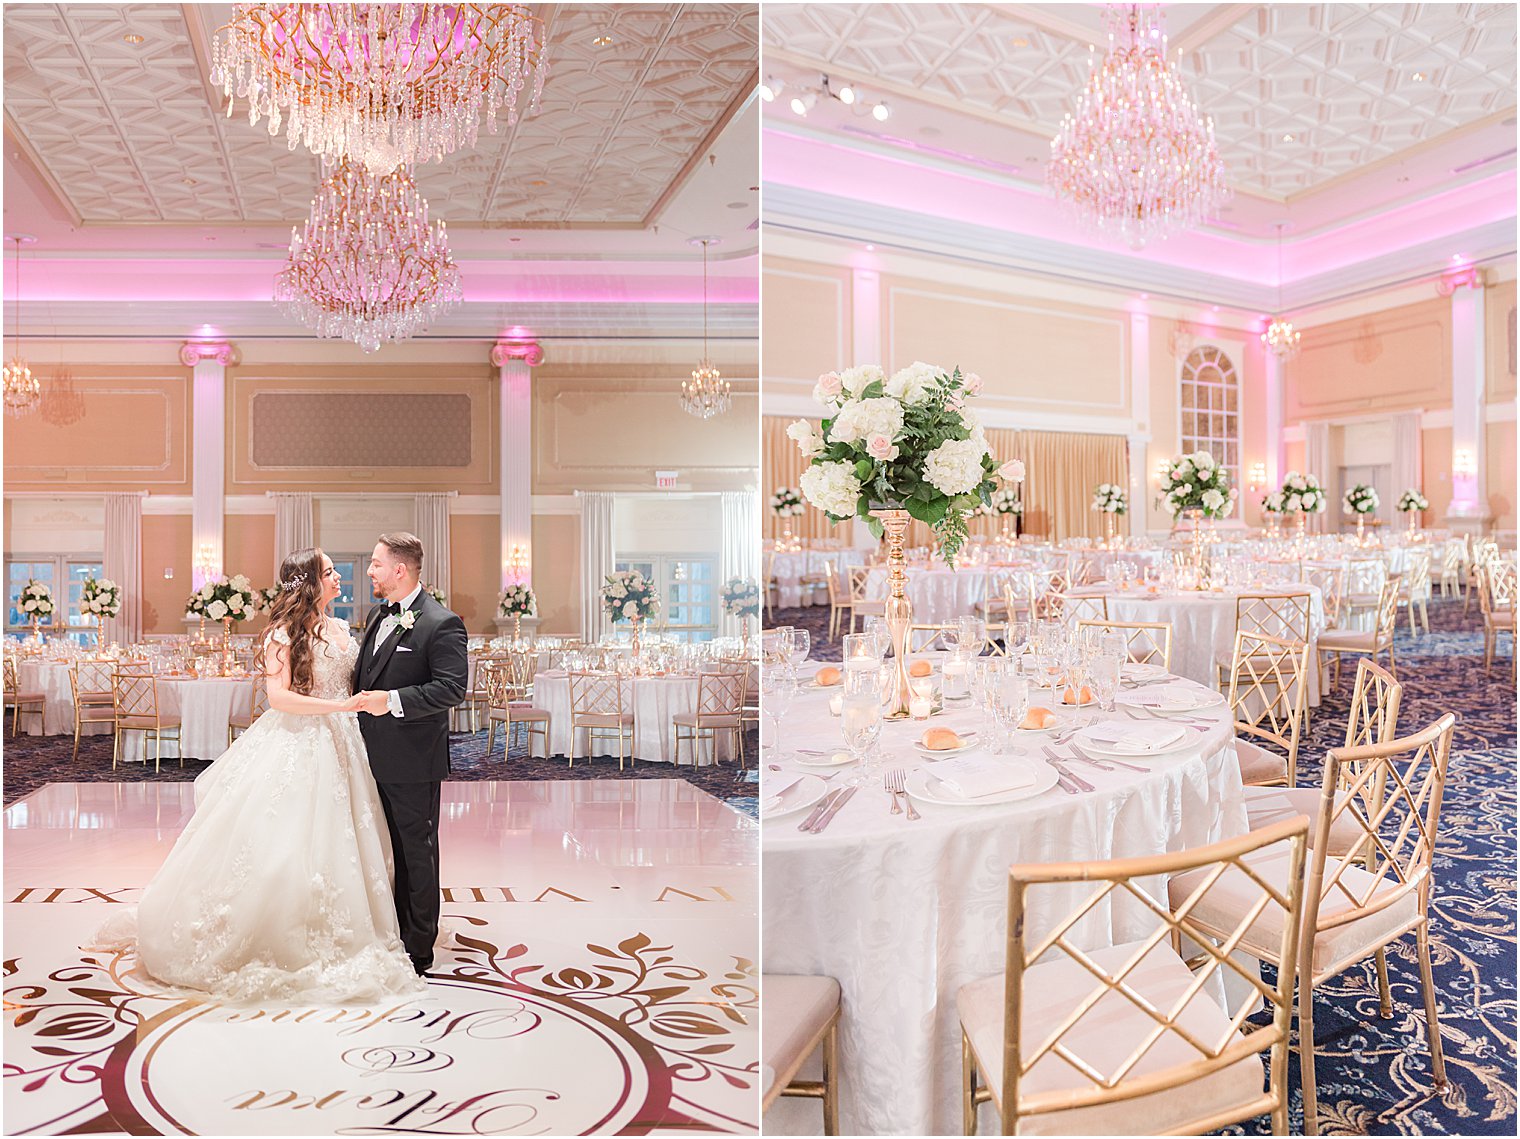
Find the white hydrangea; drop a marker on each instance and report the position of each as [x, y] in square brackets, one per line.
[857, 379]
[914, 383]
[216, 610]
[1203, 460]
[807, 435]
[832, 488]
[864, 418]
[630, 609]
[955, 466]
[1212, 500]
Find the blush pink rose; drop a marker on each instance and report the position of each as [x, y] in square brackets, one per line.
[829, 384]
[973, 384]
[881, 448]
[1012, 470]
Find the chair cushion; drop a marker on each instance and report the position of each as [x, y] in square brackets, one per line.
[1226, 901]
[1258, 765]
[869, 607]
[1348, 639]
[705, 720]
[94, 698]
[794, 1012]
[1104, 1037]
[601, 719]
[136, 723]
[1268, 805]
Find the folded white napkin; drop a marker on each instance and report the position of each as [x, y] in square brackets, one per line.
[1135, 738]
[1165, 698]
[973, 776]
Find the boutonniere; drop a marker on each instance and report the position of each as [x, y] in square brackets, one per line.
[407, 618]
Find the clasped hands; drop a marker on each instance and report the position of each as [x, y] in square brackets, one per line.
[374, 703]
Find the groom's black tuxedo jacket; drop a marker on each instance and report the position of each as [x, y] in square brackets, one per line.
[428, 665]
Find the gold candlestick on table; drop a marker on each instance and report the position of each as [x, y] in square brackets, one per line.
[899, 611]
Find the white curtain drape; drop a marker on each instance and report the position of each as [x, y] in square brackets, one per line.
[1317, 462]
[596, 558]
[433, 529]
[123, 565]
[739, 555]
[1406, 458]
[293, 527]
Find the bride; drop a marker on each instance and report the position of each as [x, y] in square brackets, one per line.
[280, 886]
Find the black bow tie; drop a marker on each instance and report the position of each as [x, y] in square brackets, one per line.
[392, 608]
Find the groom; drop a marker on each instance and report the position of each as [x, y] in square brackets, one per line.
[412, 668]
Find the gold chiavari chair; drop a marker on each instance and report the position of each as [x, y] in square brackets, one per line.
[1414, 589]
[509, 688]
[1268, 691]
[601, 706]
[1378, 640]
[1019, 589]
[1081, 609]
[861, 605]
[772, 585]
[1358, 902]
[1495, 584]
[477, 699]
[90, 685]
[258, 704]
[1373, 718]
[1479, 552]
[1330, 580]
[720, 708]
[928, 638]
[1050, 595]
[810, 579]
[1127, 1039]
[838, 605]
[137, 706]
[801, 1015]
[1148, 642]
[1362, 573]
[25, 703]
[1451, 568]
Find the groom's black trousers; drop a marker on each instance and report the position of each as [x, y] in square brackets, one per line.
[411, 812]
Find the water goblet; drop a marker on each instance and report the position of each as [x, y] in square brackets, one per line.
[801, 646]
[1009, 703]
[1105, 680]
[876, 628]
[778, 684]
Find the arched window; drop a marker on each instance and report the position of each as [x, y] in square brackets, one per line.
[1210, 404]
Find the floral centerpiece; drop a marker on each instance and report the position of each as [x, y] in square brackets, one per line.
[1360, 499]
[436, 594]
[264, 599]
[1302, 494]
[740, 597]
[1110, 500]
[896, 447]
[786, 502]
[99, 598]
[35, 603]
[516, 601]
[226, 600]
[1004, 503]
[1272, 510]
[1413, 504]
[630, 596]
[1197, 483]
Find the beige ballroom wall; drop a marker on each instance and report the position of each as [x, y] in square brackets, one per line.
[1499, 348]
[807, 306]
[165, 544]
[557, 572]
[1390, 361]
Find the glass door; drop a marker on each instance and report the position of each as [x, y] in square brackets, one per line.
[688, 592]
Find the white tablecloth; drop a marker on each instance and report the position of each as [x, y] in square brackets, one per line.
[938, 595]
[789, 568]
[205, 705]
[904, 913]
[51, 678]
[655, 700]
[1203, 625]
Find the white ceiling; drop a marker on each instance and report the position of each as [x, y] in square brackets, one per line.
[984, 87]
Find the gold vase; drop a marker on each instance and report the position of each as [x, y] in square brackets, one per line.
[1303, 525]
[226, 646]
[638, 648]
[37, 629]
[517, 628]
[1200, 548]
[1110, 530]
[1003, 534]
[1414, 524]
[899, 611]
[1361, 529]
[744, 637]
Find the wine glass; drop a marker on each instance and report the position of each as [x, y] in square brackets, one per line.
[861, 716]
[784, 641]
[876, 628]
[1008, 694]
[800, 647]
[971, 632]
[778, 684]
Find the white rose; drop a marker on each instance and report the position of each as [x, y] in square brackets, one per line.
[216, 611]
[807, 435]
[631, 609]
[1203, 460]
[867, 417]
[1213, 500]
[955, 466]
[832, 488]
[1012, 470]
[914, 383]
[856, 380]
[28, 604]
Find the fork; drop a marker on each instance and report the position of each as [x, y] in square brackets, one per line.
[886, 785]
[897, 783]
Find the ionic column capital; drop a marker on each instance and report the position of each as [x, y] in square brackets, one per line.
[529, 351]
[192, 352]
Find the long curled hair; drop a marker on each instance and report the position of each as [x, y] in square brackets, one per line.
[298, 610]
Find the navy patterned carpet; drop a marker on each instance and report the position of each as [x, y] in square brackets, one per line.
[1374, 1074]
[31, 761]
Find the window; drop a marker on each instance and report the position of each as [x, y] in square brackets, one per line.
[17, 574]
[1210, 409]
[357, 595]
[688, 592]
[64, 575]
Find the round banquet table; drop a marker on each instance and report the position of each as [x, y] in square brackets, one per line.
[903, 914]
[655, 700]
[51, 678]
[1203, 625]
[788, 569]
[204, 705]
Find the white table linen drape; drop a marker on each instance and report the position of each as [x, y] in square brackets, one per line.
[204, 705]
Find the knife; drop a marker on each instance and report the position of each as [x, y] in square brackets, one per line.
[823, 805]
[789, 786]
[828, 816]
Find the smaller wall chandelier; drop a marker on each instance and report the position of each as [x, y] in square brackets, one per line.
[1137, 160]
[369, 266]
[383, 84]
[61, 403]
[23, 391]
[707, 393]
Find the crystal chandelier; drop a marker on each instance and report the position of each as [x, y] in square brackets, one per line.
[707, 393]
[23, 391]
[384, 84]
[1280, 337]
[1136, 159]
[61, 403]
[369, 266]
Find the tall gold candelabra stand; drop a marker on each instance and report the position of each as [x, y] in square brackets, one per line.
[899, 611]
[226, 663]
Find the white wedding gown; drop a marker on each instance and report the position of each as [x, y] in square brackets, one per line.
[280, 887]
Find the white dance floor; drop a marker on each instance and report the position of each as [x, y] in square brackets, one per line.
[600, 977]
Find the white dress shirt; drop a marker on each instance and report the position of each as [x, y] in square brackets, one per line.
[388, 626]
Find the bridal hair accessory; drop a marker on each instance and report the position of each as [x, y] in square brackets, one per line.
[293, 583]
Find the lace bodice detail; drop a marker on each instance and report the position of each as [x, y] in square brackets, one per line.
[332, 666]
